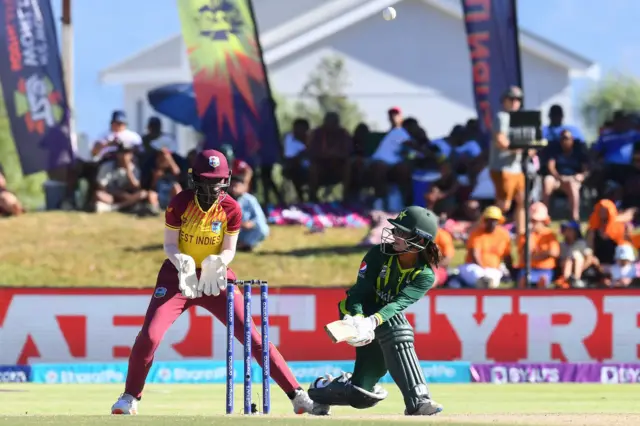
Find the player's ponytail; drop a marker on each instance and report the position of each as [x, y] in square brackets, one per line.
[431, 254]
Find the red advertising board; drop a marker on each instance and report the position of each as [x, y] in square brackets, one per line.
[81, 325]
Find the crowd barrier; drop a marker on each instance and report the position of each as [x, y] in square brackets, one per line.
[214, 372]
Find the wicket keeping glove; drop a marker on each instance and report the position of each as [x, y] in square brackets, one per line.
[213, 277]
[365, 328]
[187, 278]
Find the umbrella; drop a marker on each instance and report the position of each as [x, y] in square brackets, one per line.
[176, 101]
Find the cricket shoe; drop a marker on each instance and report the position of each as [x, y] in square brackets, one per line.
[303, 404]
[126, 405]
[426, 408]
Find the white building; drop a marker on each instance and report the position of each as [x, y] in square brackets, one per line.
[419, 62]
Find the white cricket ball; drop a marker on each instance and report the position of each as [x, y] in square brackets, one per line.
[389, 13]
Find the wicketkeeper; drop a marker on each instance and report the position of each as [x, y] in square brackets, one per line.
[392, 276]
[201, 233]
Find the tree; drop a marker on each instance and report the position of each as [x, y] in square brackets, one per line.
[614, 92]
[323, 92]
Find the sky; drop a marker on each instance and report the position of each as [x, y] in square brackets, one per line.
[107, 31]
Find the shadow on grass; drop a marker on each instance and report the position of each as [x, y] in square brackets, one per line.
[144, 249]
[316, 251]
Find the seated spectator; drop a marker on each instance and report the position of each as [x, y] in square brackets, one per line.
[468, 153]
[567, 168]
[444, 241]
[329, 148]
[254, 228]
[155, 139]
[163, 182]
[118, 183]
[630, 190]
[624, 273]
[239, 168]
[296, 164]
[361, 139]
[388, 165]
[607, 230]
[488, 247]
[614, 150]
[575, 256]
[553, 133]
[441, 196]
[544, 246]
[9, 203]
[85, 167]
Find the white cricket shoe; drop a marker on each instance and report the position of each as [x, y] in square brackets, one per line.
[126, 405]
[303, 404]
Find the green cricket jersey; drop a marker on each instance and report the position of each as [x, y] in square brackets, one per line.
[383, 288]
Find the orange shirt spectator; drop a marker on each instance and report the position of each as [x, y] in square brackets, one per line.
[490, 247]
[544, 249]
[444, 241]
[607, 229]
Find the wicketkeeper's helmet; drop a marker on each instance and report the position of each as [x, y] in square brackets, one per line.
[209, 175]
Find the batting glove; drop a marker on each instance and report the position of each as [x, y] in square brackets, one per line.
[365, 328]
[187, 278]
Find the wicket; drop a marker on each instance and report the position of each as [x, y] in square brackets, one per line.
[264, 330]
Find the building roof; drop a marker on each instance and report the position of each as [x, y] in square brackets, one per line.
[287, 27]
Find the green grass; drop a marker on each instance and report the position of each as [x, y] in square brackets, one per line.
[473, 404]
[60, 249]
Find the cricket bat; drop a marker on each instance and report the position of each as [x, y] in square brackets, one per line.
[340, 331]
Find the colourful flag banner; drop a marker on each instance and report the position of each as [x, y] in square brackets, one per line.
[33, 85]
[232, 92]
[492, 36]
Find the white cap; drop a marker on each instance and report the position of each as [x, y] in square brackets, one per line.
[625, 252]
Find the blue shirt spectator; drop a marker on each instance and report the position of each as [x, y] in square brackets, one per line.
[254, 228]
[569, 160]
[616, 145]
[552, 133]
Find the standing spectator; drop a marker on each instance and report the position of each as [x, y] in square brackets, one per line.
[488, 247]
[296, 164]
[254, 228]
[506, 164]
[567, 167]
[118, 183]
[387, 162]
[329, 149]
[9, 203]
[544, 246]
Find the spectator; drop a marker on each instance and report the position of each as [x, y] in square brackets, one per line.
[156, 139]
[506, 164]
[361, 138]
[239, 168]
[544, 246]
[85, 166]
[9, 203]
[567, 167]
[575, 256]
[296, 163]
[254, 228]
[163, 182]
[329, 148]
[614, 149]
[444, 241]
[118, 183]
[631, 189]
[553, 132]
[468, 152]
[441, 196]
[388, 165]
[488, 247]
[624, 272]
[607, 230]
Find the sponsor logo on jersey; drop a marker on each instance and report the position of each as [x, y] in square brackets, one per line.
[363, 269]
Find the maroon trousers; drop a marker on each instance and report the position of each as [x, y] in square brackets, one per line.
[164, 310]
